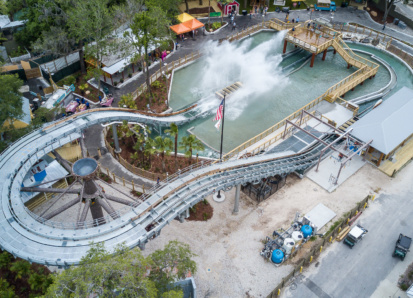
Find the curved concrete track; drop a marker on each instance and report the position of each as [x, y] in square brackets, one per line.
[52, 244]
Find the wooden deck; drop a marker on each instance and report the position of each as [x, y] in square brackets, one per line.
[314, 38]
[402, 156]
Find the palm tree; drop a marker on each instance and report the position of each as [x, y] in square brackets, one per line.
[149, 149]
[173, 131]
[162, 146]
[189, 144]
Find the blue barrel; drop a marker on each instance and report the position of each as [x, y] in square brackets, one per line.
[277, 256]
[307, 231]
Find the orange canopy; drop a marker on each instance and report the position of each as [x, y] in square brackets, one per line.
[180, 29]
[193, 24]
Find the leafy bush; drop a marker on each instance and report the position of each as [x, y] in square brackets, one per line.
[157, 84]
[128, 101]
[115, 83]
[121, 80]
[21, 268]
[5, 259]
[69, 80]
[205, 216]
[129, 75]
[205, 202]
[216, 25]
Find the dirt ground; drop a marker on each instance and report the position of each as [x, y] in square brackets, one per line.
[228, 246]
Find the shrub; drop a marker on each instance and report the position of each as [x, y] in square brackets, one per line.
[216, 25]
[5, 259]
[157, 84]
[129, 75]
[404, 287]
[205, 216]
[139, 68]
[121, 80]
[115, 83]
[313, 238]
[205, 202]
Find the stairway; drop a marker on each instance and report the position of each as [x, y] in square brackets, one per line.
[350, 122]
[228, 90]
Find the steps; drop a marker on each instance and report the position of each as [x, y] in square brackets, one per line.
[228, 90]
[348, 123]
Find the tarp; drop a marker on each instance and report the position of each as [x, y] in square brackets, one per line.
[184, 17]
[180, 29]
[193, 24]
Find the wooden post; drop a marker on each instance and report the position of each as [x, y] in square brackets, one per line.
[99, 153]
[123, 180]
[380, 159]
[285, 46]
[107, 170]
[312, 60]
[114, 177]
[133, 185]
[324, 55]
[143, 188]
[111, 78]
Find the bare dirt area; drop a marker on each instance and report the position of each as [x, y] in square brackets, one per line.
[199, 10]
[228, 246]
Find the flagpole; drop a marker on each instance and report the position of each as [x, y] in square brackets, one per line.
[222, 137]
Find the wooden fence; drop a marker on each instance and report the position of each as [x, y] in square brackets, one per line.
[318, 247]
[401, 54]
[167, 68]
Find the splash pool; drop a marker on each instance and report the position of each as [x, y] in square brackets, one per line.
[269, 94]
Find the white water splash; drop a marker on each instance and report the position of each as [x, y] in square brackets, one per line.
[257, 69]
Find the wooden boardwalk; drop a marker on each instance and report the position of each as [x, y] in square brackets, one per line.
[401, 157]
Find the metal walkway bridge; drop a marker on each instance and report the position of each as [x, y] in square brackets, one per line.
[41, 241]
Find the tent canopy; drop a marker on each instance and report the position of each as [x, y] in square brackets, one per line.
[180, 29]
[184, 17]
[193, 24]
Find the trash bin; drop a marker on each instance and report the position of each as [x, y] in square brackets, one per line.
[286, 9]
[402, 25]
[396, 21]
[244, 12]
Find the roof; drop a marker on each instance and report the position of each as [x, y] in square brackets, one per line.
[324, 1]
[356, 232]
[193, 24]
[184, 17]
[180, 29]
[26, 117]
[4, 20]
[389, 124]
[14, 24]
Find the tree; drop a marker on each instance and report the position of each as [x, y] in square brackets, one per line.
[5, 290]
[149, 149]
[124, 273]
[172, 263]
[163, 146]
[3, 7]
[387, 6]
[173, 131]
[189, 144]
[127, 101]
[223, 3]
[10, 98]
[170, 7]
[5, 260]
[150, 29]
[21, 268]
[92, 20]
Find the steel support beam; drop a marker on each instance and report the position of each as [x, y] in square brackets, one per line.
[350, 157]
[84, 212]
[66, 164]
[236, 203]
[120, 200]
[50, 190]
[331, 144]
[83, 147]
[61, 209]
[303, 130]
[109, 209]
[58, 198]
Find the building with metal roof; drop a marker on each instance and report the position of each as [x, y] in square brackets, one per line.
[390, 125]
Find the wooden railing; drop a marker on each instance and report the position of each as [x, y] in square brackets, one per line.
[348, 105]
[166, 68]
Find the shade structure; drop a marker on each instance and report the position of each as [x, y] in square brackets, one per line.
[193, 24]
[180, 29]
[184, 17]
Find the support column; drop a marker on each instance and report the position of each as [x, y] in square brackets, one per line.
[324, 55]
[334, 52]
[111, 78]
[236, 204]
[285, 46]
[361, 84]
[115, 138]
[380, 159]
[312, 60]
[348, 65]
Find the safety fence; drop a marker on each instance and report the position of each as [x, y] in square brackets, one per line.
[165, 69]
[128, 166]
[319, 246]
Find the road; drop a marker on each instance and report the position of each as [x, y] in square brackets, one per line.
[367, 270]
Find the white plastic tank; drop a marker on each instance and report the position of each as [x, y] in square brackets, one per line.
[297, 237]
[288, 245]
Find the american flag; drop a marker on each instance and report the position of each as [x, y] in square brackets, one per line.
[219, 114]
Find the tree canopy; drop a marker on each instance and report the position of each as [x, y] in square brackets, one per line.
[10, 98]
[126, 273]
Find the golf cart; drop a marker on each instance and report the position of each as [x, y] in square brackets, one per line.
[402, 246]
[355, 235]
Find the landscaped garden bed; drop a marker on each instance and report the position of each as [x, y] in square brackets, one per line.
[159, 96]
[83, 88]
[201, 211]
